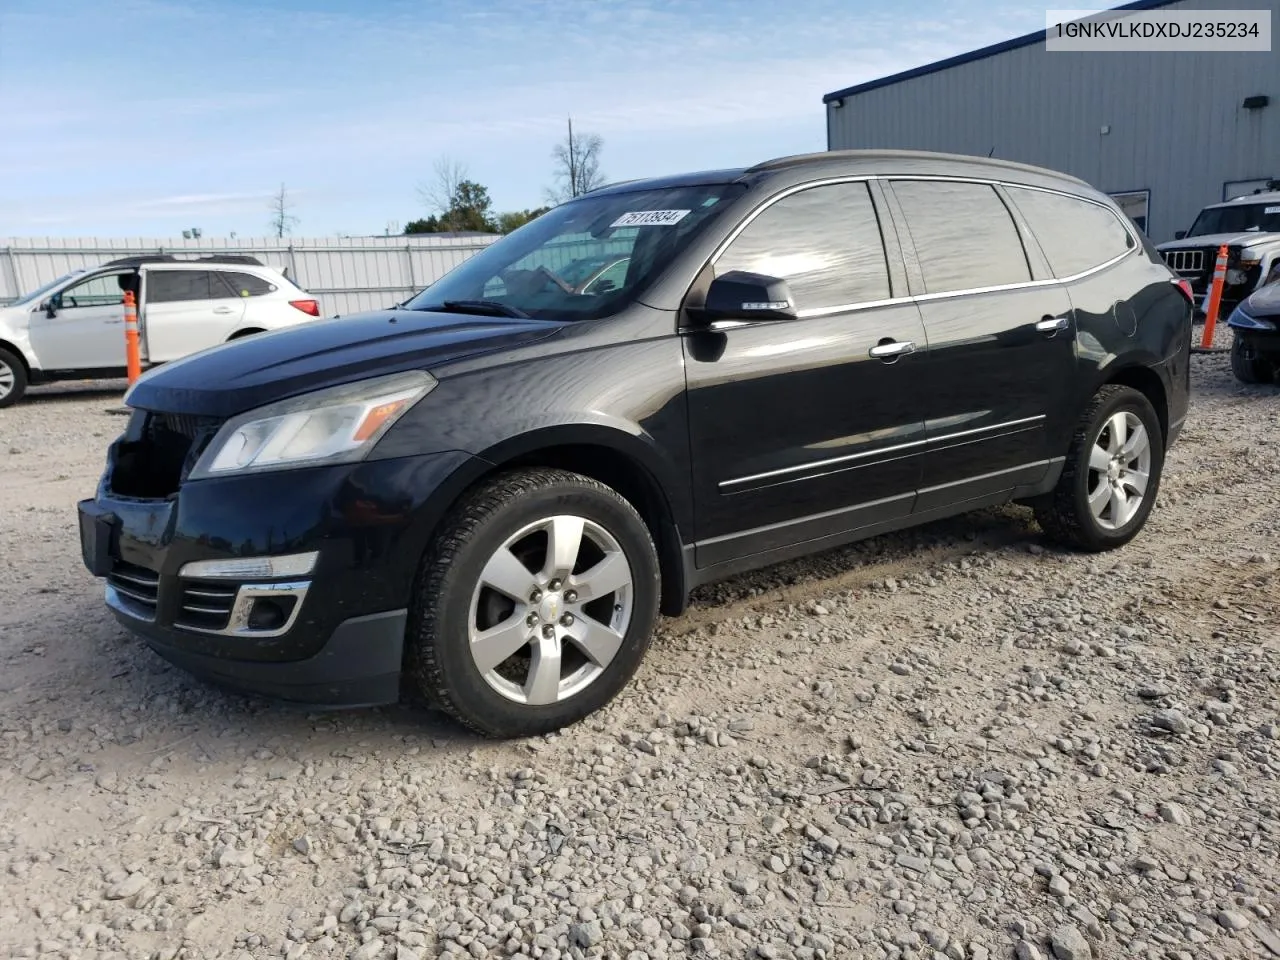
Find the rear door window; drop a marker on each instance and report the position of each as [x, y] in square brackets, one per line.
[1074, 234]
[824, 241]
[964, 236]
[174, 286]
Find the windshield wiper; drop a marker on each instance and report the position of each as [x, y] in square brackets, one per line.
[488, 308]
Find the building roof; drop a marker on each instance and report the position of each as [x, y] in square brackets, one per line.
[980, 54]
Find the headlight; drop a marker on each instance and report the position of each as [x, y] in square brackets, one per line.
[1235, 277]
[336, 425]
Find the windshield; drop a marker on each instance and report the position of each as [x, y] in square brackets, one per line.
[540, 271]
[1238, 218]
[39, 292]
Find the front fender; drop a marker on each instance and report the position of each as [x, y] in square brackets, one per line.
[15, 333]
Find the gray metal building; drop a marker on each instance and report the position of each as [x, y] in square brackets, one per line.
[1163, 132]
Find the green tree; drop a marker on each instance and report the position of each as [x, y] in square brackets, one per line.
[507, 222]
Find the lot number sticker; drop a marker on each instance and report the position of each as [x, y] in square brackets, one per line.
[650, 218]
[1270, 210]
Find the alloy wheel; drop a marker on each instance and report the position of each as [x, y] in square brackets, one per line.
[7, 379]
[551, 610]
[1119, 470]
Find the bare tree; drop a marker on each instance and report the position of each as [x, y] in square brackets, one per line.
[440, 193]
[577, 165]
[282, 220]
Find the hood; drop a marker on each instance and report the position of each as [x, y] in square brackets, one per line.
[239, 376]
[1218, 239]
[1264, 302]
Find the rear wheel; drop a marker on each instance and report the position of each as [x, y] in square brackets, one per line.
[535, 604]
[1112, 473]
[13, 379]
[1248, 363]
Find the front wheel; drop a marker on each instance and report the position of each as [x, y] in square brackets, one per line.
[1248, 364]
[13, 379]
[1111, 476]
[535, 604]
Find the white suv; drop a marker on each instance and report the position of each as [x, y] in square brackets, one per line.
[73, 328]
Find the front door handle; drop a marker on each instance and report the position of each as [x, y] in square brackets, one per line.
[1052, 324]
[892, 348]
[223, 310]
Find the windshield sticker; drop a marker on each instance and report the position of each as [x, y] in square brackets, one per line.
[1270, 210]
[650, 218]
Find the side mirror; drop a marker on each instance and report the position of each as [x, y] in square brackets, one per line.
[739, 295]
[1179, 234]
[50, 308]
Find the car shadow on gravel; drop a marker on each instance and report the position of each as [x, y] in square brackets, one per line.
[127, 687]
[882, 557]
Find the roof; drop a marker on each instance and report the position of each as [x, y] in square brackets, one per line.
[980, 54]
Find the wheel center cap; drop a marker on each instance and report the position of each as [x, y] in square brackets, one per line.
[550, 607]
[1113, 471]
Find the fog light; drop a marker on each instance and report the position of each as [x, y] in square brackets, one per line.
[251, 568]
[270, 613]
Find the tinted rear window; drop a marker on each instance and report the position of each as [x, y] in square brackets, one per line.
[964, 236]
[170, 286]
[1074, 234]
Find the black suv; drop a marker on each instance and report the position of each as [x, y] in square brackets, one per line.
[491, 490]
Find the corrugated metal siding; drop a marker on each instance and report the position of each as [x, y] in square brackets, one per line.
[1176, 124]
[347, 274]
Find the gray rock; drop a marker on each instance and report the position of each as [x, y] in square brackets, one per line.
[1174, 813]
[586, 935]
[131, 886]
[1172, 721]
[1232, 920]
[1068, 943]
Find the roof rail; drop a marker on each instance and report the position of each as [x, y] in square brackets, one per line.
[169, 258]
[888, 154]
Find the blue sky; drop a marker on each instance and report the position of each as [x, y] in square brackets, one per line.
[142, 117]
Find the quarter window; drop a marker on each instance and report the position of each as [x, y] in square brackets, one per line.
[964, 236]
[1074, 234]
[824, 241]
[241, 284]
[172, 286]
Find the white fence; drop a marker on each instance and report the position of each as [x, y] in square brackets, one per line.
[346, 274]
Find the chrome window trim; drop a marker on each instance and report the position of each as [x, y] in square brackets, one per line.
[815, 312]
[864, 454]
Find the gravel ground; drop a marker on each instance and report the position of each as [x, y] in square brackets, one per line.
[951, 743]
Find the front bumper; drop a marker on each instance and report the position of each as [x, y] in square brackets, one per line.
[329, 634]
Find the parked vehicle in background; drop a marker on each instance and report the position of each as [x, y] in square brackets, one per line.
[73, 327]
[1250, 227]
[1255, 328]
[492, 490]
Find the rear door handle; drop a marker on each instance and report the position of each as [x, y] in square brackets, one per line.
[223, 310]
[1053, 324]
[895, 348]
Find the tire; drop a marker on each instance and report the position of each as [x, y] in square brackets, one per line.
[1248, 364]
[13, 379]
[1066, 514]
[241, 334]
[509, 518]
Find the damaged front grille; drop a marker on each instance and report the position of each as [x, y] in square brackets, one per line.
[158, 452]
